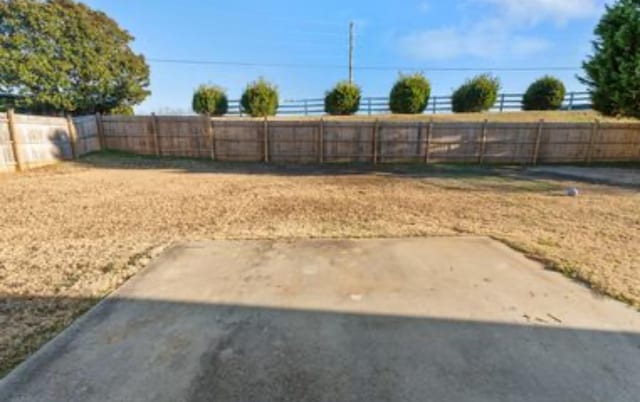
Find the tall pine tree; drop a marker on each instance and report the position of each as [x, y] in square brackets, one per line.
[613, 71]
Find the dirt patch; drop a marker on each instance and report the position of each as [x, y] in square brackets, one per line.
[73, 233]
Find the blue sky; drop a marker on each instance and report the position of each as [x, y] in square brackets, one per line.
[420, 34]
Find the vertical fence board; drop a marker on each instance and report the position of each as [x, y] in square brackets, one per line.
[72, 137]
[7, 154]
[427, 150]
[14, 140]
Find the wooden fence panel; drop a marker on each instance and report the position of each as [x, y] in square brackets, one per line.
[293, 141]
[87, 140]
[42, 140]
[348, 141]
[7, 161]
[617, 142]
[509, 142]
[129, 133]
[182, 136]
[239, 140]
[455, 142]
[565, 142]
[402, 142]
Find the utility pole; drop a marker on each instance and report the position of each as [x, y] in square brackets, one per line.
[351, 52]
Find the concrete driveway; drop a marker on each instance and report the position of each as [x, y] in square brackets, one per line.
[439, 319]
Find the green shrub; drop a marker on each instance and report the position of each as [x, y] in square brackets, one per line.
[260, 99]
[410, 94]
[547, 93]
[210, 100]
[343, 99]
[476, 95]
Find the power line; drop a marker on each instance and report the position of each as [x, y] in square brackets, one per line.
[362, 68]
[271, 17]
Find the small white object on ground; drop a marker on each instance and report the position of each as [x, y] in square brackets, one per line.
[573, 192]
[356, 297]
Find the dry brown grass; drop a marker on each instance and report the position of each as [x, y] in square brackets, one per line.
[72, 233]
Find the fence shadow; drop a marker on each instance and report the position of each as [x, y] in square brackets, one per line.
[138, 349]
[122, 160]
[507, 178]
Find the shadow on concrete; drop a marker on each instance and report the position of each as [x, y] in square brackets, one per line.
[154, 350]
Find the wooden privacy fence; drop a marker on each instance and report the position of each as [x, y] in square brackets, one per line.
[31, 141]
[336, 141]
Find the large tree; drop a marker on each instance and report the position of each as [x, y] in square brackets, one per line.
[62, 56]
[613, 71]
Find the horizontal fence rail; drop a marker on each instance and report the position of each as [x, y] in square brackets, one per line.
[437, 104]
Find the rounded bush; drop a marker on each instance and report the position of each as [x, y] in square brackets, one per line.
[410, 94]
[476, 95]
[210, 100]
[343, 99]
[547, 93]
[260, 99]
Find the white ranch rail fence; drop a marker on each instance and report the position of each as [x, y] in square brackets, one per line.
[506, 102]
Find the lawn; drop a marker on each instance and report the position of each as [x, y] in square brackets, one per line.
[73, 233]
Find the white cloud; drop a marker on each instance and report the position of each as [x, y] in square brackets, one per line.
[535, 11]
[500, 32]
[452, 43]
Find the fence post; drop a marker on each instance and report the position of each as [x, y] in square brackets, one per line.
[536, 148]
[265, 136]
[100, 127]
[208, 130]
[15, 140]
[213, 139]
[154, 133]
[73, 139]
[595, 129]
[435, 104]
[369, 106]
[483, 142]
[571, 96]
[427, 151]
[375, 142]
[502, 102]
[321, 142]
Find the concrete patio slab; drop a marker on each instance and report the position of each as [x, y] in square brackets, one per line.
[437, 319]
